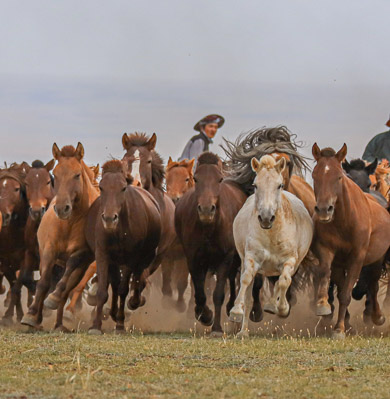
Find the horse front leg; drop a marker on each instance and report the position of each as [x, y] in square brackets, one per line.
[202, 311]
[33, 318]
[256, 314]
[322, 278]
[218, 298]
[249, 268]
[123, 292]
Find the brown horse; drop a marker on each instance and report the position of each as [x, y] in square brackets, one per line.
[61, 232]
[142, 163]
[123, 228]
[179, 179]
[14, 210]
[351, 231]
[39, 192]
[204, 224]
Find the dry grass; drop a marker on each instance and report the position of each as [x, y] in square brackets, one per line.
[49, 365]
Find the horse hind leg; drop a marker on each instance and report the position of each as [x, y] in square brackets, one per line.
[377, 316]
[123, 292]
[182, 283]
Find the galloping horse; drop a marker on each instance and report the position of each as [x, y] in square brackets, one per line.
[39, 193]
[273, 233]
[142, 163]
[179, 179]
[61, 235]
[351, 231]
[14, 210]
[123, 228]
[204, 224]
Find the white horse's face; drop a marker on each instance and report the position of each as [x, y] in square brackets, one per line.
[268, 188]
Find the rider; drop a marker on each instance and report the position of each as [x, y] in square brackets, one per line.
[378, 147]
[207, 128]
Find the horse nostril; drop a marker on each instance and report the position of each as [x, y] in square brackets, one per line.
[272, 218]
[259, 217]
[115, 218]
[199, 208]
[103, 217]
[330, 208]
[316, 209]
[67, 208]
[213, 208]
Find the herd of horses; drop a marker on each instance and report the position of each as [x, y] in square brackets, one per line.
[250, 219]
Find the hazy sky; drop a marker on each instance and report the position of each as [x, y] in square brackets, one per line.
[91, 70]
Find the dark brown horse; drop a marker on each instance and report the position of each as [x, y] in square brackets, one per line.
[143, 164]
[123, 228]
[179, 179]
[39, 192]
[204, 224]
[61, 233]
[351, 231]
[14, 209]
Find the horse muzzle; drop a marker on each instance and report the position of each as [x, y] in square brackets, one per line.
[206, 214]
[36, 214]
[266, 221]
[324, 213]
[63, 212]
[110, 222]
[7, 217]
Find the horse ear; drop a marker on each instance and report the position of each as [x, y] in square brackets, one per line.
[371, 168]
[342, 153]
[125, 141]
[25, 167]
[151, 144]
[346, 166]
[316, 152]
[56, 152]
[255, 164]
[96, 170]
[79, 154]
[190, 164]
[280, 165]
[170, 162]
[50, 165]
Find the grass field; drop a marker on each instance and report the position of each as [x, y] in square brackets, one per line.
[51, 365]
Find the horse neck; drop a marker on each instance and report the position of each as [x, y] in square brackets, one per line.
[88, 195]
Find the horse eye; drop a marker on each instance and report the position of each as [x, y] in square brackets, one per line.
[150, 161]
[187, 180]
[17, 189]
[280, 186]
[100, 188]
[77, 176]
[48, 182]
[254, 186]
[221, 179]
[195, 180]
[124, 189]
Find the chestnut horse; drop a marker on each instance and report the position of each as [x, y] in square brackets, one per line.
[351, 231]
[142, 163]
[39, 192]
[61, 235]
[179, 179]
[123, 228]
[204, 224]
[14, 210]
[382, 174]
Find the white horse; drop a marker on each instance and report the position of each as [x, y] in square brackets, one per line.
[272, 232]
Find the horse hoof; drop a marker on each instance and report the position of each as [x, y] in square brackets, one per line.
[216, 334]
[256, 315]
[323, 310]
[6, 321]
[91, 300]
[339, 335]
[94, 331]
[379, 321]
[243, 334]
[236, 315]
[181, 306]
[62, 329]
[206, 317]
[270, 308]
[30, 320]
[284, 313]
[51, 303]
[120, 330]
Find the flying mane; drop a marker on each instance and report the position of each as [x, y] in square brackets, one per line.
[158, 171]
[257, 143]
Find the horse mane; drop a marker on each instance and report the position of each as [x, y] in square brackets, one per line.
[357, 164]
[259, 142]
[112, 166]
[158, 171]
[37, 164]
[208, 158]
[15, 172]
[328, 152]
